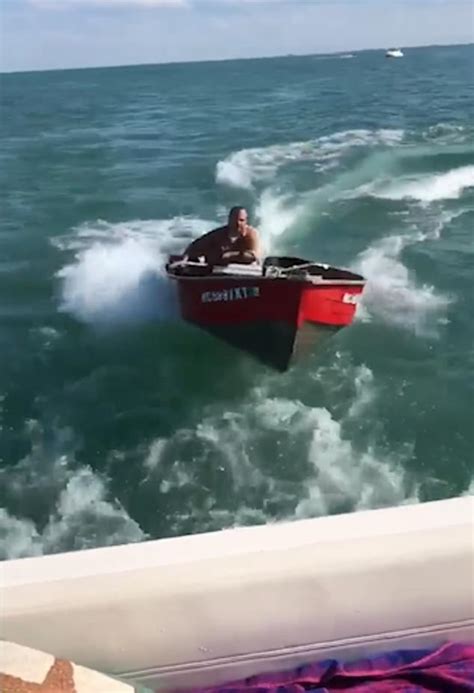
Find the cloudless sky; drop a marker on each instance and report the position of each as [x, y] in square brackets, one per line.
[43, 34]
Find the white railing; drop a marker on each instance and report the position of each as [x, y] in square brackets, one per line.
[214, 607]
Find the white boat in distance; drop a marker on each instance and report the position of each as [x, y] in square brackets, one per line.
[394, 53]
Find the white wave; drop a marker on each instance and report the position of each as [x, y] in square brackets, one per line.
[448, 133]
[365, 392]
[113, 284]
[470, 489]
[242, 517]
[74, 500]
[229, 436]
[47, 336]
[244, 168]
[84, 518]
[118, 272]
[392, 294]
[276, 214]
[424, 188]
[177, 477]
[18, 537]
[35, 478]
[272, 457]
[343, 477]
[346, 478]
[153, 458]
[255, 447]
[236, 170]
[220, 518]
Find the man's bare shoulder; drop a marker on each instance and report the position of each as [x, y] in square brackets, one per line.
[208, 236]
[215, 232]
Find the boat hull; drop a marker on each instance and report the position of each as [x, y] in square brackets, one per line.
[268, 318]
[273, 343]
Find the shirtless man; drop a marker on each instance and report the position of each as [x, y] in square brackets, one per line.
[235, 242]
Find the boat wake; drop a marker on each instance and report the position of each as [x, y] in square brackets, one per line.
[270, 456]
[117, 272]
[69, 506]
[424, 188]
[279, 458]
[245, 168]
[392, 294]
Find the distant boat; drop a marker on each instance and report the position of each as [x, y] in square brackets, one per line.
[394, 53]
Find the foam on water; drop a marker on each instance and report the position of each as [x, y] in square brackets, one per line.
[18, 537]
[470, 490]
[281, 452]
[85, 518]
[448, 133]
[82, 519]
[246, 167]
[425, 188]
[392, 294]
[235, 171]
[46, 336]
[345, 478]
[117, 275]
[365, 392]
[276, 214]
[70, 504]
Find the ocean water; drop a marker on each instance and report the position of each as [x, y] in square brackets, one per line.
[118, 422]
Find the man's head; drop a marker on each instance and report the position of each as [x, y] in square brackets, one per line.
[238, 220]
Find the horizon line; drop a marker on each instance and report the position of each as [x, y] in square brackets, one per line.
[222, 60]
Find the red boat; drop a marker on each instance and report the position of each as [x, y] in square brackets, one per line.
[268, 310]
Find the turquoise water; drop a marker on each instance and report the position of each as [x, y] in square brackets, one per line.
[117, 421]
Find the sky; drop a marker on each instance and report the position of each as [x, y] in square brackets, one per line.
[50, 34]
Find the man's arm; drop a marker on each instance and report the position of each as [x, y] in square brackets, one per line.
[251, 251]
[202, 245]
[254, 244]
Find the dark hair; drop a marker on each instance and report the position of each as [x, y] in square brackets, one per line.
[235, 210]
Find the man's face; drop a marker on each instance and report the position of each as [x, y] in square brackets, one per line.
[239, 221]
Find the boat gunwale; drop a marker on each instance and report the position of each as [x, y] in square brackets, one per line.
[313, 281]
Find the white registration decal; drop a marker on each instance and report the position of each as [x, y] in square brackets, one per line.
[350, 298]
[237, 293]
